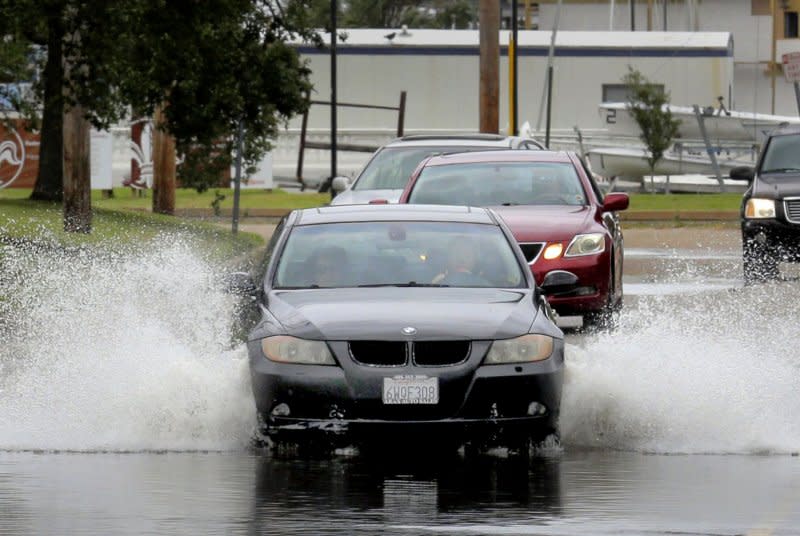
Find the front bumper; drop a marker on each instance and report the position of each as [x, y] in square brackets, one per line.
[343, 404]
[593, 273]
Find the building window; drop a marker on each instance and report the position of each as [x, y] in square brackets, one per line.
[619, 92]
[790, 24]
[759, 7]
[615, 93]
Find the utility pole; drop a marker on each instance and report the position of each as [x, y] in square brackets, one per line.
[333, 91]
[77, 178]
[489, 13]
[512, 57]
[632, 4]
[164, 167]
[774, 53]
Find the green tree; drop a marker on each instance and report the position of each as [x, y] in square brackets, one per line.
[647, 102]
[393, 13]
[210, 63]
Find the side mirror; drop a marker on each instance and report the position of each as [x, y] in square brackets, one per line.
[559, 282]
[340, 184]
[742, 173]
[240, 284]
[616, 201]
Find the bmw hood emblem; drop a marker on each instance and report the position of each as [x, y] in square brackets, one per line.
[408, 330]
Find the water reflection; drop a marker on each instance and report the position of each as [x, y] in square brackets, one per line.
[367, 495]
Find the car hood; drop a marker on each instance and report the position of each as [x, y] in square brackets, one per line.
[777, 187]
[363, 197]
[553, 223]
[382, 313]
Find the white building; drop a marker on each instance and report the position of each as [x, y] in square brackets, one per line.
[439, 69]
[749, 22]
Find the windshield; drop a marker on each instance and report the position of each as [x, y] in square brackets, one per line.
[499, 183]
[398, 254]
[391, 168]
[782, 156]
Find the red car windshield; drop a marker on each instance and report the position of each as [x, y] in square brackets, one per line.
[499, 183]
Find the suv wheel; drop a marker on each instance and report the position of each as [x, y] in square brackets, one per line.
[759, 264]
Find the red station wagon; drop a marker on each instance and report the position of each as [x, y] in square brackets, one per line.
[568, 230]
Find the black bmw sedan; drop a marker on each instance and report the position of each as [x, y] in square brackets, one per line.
[409, 325]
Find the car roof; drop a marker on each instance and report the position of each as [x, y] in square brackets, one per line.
[394, 212]
[454, 140]
[499, 156]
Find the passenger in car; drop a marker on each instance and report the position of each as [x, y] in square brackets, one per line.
[461, 262]
[328, 267]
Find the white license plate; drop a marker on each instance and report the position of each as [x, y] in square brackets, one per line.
[411, 390]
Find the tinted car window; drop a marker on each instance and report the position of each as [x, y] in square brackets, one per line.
[398, 253]
[782, 155]
[499, 183]
[391, 168]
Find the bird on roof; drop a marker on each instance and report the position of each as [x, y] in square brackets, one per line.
[390, 36]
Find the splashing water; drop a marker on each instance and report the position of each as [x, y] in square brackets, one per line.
[707, 373]
[129, 352]
[133, 352]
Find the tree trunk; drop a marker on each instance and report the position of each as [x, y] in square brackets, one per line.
[49, 181]
[77, 178]
[163, 168]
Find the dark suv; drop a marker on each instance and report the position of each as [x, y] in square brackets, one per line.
[771, 206]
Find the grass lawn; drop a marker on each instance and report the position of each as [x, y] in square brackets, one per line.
[278, 199]
[124, 199]
[37, 221]
[685, 202]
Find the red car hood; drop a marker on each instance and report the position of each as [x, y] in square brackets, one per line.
[545, 223]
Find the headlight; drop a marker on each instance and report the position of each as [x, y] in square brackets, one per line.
[553, 251]
[525, 349]
[285, 349]
[759, 208]
[586, 244]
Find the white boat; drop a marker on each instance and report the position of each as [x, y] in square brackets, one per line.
[632, 162]
[720, 125]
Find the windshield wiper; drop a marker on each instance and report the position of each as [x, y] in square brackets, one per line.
[782, 170]
[409, 284]
[509, 204]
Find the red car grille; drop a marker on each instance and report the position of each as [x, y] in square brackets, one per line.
[531, 250]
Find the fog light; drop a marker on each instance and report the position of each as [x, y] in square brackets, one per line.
[536, 409]
[761, 238]
[586, 291]
[281, 410]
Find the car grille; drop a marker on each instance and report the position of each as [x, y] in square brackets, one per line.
[379, 353]
[438, 353]
[792, 210]
[531, 250]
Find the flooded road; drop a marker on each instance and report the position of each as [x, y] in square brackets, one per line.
[574, 492]
[124, 409]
